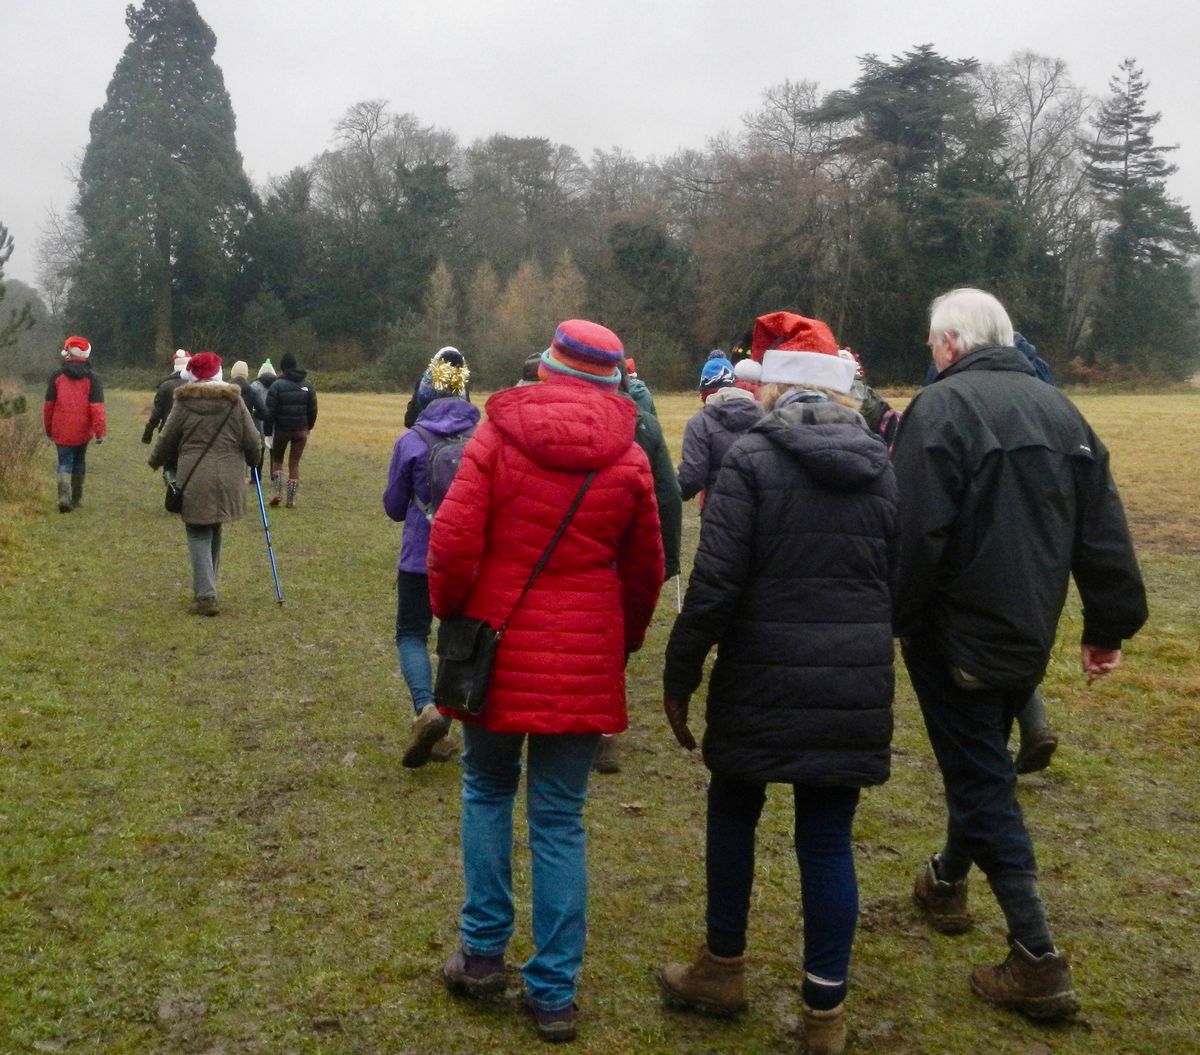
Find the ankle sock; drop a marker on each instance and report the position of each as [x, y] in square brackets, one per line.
[822, 994]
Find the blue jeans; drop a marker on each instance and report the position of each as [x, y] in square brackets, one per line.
[828, 885]
[556, 789]
[414, 619]
[72, 460]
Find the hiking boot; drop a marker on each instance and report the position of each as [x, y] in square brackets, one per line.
[1036, 751]
[825, 1031]
[554, 1026]
[1037, 986]
[76, 490]
[292, 487]
[715, 985]
[606, 756]
[944, 904]
[427, 730]
[204, 606]
[473, 975]
[64, 492]
[277, 484]
[444, 750]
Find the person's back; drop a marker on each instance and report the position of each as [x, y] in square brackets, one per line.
[1028, 467]
[710, 432]
[291, 414]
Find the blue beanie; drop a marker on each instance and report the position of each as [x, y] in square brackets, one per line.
[716, 373]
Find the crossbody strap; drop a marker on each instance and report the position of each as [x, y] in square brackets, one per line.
[562, 527]
[196, 464]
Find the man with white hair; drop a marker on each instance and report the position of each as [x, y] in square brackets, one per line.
[1005, 493]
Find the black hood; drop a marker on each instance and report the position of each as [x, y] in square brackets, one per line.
[831, 441]
[295, 375]
[75, 369]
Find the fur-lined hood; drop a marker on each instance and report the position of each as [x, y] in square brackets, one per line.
[208, 390]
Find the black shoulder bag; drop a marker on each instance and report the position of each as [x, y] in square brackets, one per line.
[173, 500]
[466, 648]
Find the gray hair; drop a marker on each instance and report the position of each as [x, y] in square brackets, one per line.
[977, 319]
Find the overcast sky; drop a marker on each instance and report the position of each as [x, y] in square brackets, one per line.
[649, 76]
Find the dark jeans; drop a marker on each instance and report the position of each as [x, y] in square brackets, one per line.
[72, 460]
[279, 443]
[828, 886]
[414, 619]
[969, 730]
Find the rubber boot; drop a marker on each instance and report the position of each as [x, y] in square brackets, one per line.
[64, 492]
[1038, 743]
[277, 483]
[825, 1031]
[292, 487]
[713, 984]
[76, 490]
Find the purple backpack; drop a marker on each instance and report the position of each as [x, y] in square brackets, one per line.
[442, 459]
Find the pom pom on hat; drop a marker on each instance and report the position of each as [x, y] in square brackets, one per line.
[180, 359]
[748, 370]
[76, 348]
[585, 351]
[795, 350]
[204, 366]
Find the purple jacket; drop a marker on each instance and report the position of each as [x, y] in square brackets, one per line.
[408, 475]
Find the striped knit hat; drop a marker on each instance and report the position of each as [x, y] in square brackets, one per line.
[585, 351]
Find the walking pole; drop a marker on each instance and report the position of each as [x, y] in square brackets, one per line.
[262, 508]
[678, 596]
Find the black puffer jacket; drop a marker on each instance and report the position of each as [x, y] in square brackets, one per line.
[791, 581]
[709, 433]
[291, 403]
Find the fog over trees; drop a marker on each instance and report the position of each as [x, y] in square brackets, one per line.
[856, 205]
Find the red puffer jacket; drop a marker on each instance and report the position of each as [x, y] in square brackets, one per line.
[73, 411]
[561, 663]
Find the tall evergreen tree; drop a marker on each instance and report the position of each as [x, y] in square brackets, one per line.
[1146, 316]
[14, 321]
[163, 198]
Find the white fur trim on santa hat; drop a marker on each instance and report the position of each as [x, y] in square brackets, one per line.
[783, 367]
[190, 378]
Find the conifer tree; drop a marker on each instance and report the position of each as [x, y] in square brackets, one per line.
[163, 198]
[1146, 316]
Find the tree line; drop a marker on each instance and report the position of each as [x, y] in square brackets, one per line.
[855, 205]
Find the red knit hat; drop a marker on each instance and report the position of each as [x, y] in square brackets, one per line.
[585, 351]
[204, 366]
[76, 348]
[795, 350]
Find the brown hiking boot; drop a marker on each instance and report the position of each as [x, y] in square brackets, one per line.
[444, 750]
[1037, 986]
[554, 1026]
[825, 1031]
[427, 730]
[204, 606]
[715, 985]
[944, 904]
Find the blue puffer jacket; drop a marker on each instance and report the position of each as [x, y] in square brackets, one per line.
[791, 581]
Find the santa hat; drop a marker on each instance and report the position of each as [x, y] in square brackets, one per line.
[180, 359]
[76, 348]
[204, 366]
[631, 366]
[585, 351]
[795, 350]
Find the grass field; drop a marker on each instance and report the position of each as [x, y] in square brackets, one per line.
[208, 844]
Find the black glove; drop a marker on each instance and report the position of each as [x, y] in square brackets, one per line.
[148, 433]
